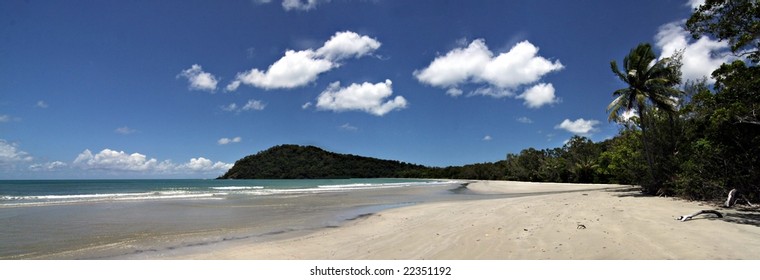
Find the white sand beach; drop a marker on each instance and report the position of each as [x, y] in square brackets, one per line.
[593, 222]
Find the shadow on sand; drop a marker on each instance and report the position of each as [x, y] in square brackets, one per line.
[743, 216]
[632, 191]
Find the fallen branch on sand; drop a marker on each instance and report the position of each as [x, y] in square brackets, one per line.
[688, 217]
[734, 197]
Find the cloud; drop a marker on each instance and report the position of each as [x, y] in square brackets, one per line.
[41, 104]
[347, 44]
[5, 118]
[695, 3]
[700, 57]
[487, 138]
[454, 92]
[251, 105]
[204, 165]
[349, 127]
[198, 79]
[492, 92]
[367, 97]
[579, 126]
[299, 68]
[298, 5]
[48, 166]
[524, 120]
[539, 95]
[295, 69]
[234, 85]
[301, 5]
[111, 160]
[108, 159]
[225, 141]
[124, 130]
[230, 108]
[306, 105]
[9, 153]
[256, 105]
[499, 75]
[457, 66]
[627, 115]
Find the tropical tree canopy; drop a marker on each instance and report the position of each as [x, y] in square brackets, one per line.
[649, 81]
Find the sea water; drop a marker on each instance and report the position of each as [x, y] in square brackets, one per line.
[127, 219]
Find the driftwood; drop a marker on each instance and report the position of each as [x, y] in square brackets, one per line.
[733, 197]
[688, 217]
[731, 200]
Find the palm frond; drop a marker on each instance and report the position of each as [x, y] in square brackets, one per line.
[616, 71]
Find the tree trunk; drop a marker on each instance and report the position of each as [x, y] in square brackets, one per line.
[647, 149]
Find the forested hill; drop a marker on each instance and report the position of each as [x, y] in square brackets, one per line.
[309, 162]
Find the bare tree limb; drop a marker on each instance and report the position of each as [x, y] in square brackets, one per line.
[731, 200]
[688, 217]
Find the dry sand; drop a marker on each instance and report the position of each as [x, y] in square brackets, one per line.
[593, 222]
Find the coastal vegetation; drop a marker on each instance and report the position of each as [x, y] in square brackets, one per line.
[692, 139]
[309, 162]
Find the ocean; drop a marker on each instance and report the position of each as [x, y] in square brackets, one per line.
[146, 219]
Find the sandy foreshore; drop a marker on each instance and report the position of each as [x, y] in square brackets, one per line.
[593, 222]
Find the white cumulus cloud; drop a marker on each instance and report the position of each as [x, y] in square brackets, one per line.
[487, 138]
[579, 126]
[700, 57]
[108, 159]
[498, 75]
[299, 68]
[457, 66]
[112, 160]
[198, 79]
[41, 104]
[367, 97]
[539, 95]
[295, 69]
[225, 141]
[347, 44]
[10, 153]
[202, 164]
[518, 67]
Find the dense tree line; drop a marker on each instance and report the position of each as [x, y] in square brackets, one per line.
[309, 162]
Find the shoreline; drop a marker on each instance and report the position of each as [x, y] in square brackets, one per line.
[543, 221]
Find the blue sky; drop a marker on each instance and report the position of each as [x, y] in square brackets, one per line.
[182, 89]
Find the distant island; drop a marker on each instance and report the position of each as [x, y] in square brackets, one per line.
[310, 162]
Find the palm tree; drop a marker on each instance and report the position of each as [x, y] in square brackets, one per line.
[651, 83]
